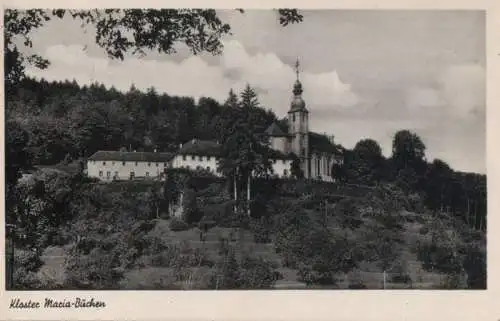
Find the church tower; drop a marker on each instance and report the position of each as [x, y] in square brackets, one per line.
[298, 124]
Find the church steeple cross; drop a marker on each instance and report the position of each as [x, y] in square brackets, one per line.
[297, 65]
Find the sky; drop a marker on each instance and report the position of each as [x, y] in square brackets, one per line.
[365, 74]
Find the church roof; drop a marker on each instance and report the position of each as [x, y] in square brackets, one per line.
[275, 131]
[201, 148]
[130, 156]
[297, 104]
[321, 144]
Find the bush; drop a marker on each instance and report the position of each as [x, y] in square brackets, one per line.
[28, 260]
[424, 230]
[355, 280]
[257, 273]
[261, 229]
[401, 278]
[177, 224]
[205, 224]
[222, 214]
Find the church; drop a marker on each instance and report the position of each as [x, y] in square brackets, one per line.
[317, 152]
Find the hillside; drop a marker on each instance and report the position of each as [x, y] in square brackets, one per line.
[131, 248]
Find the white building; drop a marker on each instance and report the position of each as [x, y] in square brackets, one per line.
[204, 155]
[117, 165]
[196, 155]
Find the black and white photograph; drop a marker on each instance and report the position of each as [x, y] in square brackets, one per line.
[245, 149]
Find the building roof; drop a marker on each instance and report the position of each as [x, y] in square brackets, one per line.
[201, 147]
[275, 131]
[131, 156]
[321, 144]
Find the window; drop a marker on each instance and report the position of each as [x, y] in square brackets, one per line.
[285, 172]
[156, 164]
[187, 167]
[132, 175]
[208, 168]
[192, 157]
[116, 174]
[136, 163]
[149, 164]
[200, 158]
[123, 163]
[303, 152]
[209, 158]
[112, 163]
[147, 174]
[165, 164]
[293, 117]
[183, 157]
[108, 174]
[284, 161]
[100, 173]
[104, 163]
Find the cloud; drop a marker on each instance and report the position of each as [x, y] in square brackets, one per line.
[194, 76]
[459, 93]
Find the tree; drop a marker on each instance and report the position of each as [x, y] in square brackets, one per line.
[17, 159]
[408, 150]
[438, 178]
[295, 169]
[192, 213]
[119, 31]
[248, 98]
[366, 162]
